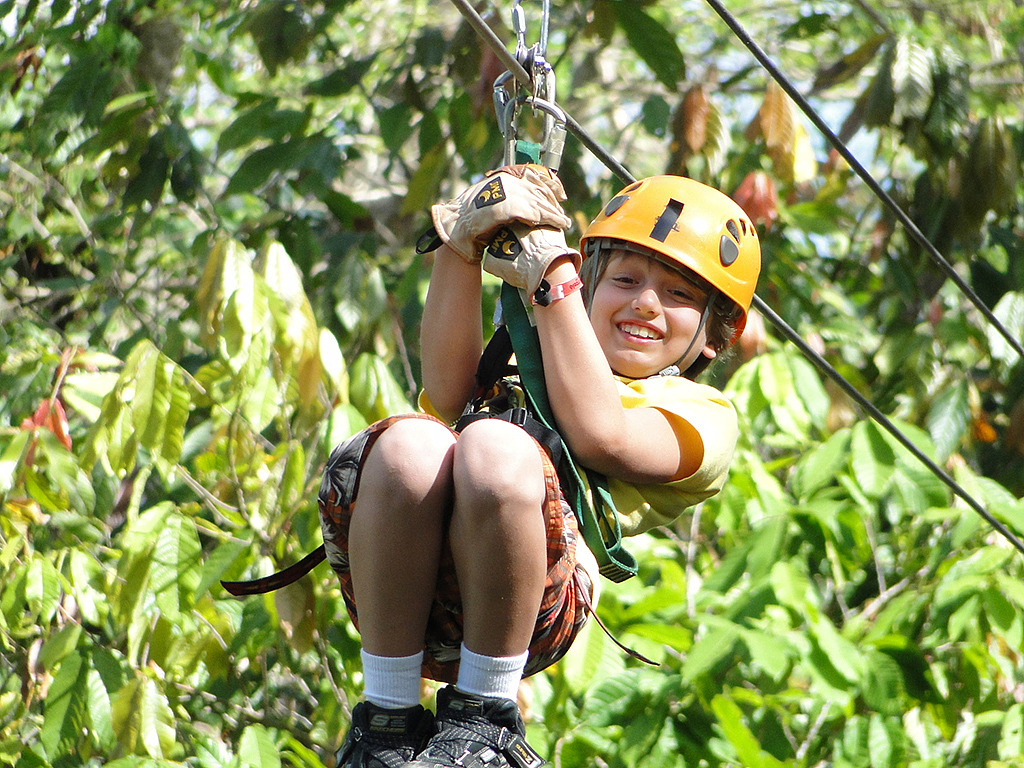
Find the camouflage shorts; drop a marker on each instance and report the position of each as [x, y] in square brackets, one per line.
[562, 611]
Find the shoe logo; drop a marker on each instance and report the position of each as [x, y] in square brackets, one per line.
[388, 723]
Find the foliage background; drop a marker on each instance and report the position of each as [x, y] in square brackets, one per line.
[206, 253]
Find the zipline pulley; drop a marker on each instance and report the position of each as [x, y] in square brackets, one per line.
[541, 97]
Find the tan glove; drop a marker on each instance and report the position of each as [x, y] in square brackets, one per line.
[521, 255]
[528, 193]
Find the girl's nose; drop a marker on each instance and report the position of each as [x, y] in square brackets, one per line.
[646, 300]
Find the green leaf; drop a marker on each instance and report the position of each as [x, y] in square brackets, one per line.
[396, 126]
[949, 417]
[999, 611]
[42, 589]
[84, 391]
[59, 645]
[1011, 737]
[709, 650]
[591, 658]
[770, 652]
[844, 656]
[731, 722]
[99, 710]
[1010, 312]
[886, 742]
[653, 42]
[142, 719]
[818, 467]
[609, 698]
[281, 32]
[341, 80]
[263, 121]
[882, 686]
[83, 90]
[374, 390]
[425, 184]
[879, 100]
[11, 459]
[66, 703]
[175, 568]
[257, 749]
[147, 185]
[872, 458]
[257, 168]
[792, 586]
[964, 620]
[911, 80]
[147, 408]
[216, 565]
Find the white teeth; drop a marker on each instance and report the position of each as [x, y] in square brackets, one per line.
[638, 330]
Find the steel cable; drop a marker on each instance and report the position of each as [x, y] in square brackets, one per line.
[765, 61]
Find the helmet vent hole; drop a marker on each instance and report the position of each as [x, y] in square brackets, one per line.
[728, 251]
[614, 204]
[733, 228]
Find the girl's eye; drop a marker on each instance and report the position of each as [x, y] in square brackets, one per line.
[687, 295]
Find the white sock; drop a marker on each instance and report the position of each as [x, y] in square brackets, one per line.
[392, 681]
[490, 675]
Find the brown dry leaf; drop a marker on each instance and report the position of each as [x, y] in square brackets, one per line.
[982, 430]
[775, 119]
[756, 195]
[1015, 431]
[695, 112]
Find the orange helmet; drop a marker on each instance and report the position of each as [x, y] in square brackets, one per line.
[689, 224]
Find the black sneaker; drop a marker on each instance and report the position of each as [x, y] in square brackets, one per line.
[384, 738]
[476, 732]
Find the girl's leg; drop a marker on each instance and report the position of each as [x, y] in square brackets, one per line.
[395, 534]
[498, 536]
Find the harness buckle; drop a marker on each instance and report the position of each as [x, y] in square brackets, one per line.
[518, 416]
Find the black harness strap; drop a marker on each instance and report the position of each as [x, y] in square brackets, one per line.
[282, 578]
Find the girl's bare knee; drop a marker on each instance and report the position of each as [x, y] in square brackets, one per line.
[499, 463]
[409, 461]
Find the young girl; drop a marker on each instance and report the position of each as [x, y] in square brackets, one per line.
[457, 554]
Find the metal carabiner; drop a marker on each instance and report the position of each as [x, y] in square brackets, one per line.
[553, 141]
[541, 96]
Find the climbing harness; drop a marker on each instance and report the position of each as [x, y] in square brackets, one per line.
[514, 334]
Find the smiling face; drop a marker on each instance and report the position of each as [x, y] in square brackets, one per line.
[645, 315]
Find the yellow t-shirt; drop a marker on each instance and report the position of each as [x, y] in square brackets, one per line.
[704, 421]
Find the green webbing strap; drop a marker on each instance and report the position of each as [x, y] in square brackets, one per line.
[600, 528]
[527, 152]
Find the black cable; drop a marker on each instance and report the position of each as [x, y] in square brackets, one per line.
[781, 325]
[861, 171]
[883, 420]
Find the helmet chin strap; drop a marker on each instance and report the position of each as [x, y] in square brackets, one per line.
[674, 370]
